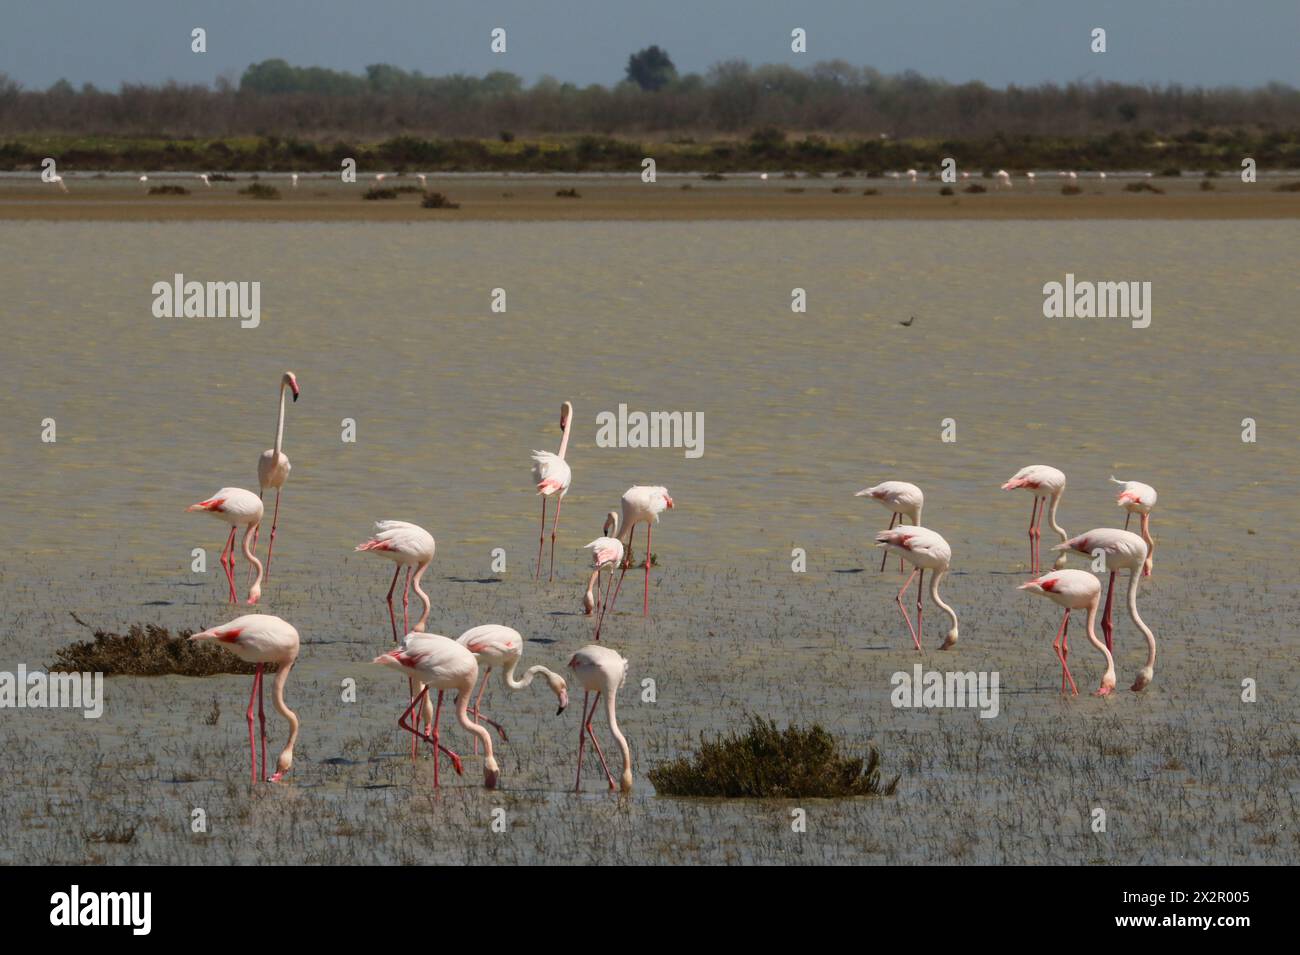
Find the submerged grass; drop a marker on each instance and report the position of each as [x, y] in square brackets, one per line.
[767, 762]
[148, 650]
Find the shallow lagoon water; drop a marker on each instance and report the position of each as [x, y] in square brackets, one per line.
[391, 326]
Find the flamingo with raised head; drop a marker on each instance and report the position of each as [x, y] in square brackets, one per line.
[238, 508]
[1046, 483]
[261, 638]
[925, 550]
[1074, 590]
[442, 664]
[641, 504]
[273, 466]
[1122, 550]
[406, 545]
[1138, 498]
[606, 552]
[901, 500]
[551, 475]
[600, 670]
[494, 645]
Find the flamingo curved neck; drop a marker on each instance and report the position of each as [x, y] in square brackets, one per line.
[934, 595]
[462, 716]
[620, 738]
[1134, 576]
[508, 675]
[1051, 518]
[1109, 675]
[424, 598]
[256, 589]
[285, 761]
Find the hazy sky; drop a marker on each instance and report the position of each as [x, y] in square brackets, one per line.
[1195, 42]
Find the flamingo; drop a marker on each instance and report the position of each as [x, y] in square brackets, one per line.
[424, 181]
[58, 181]
[924, 550]
[911, 175]
[551, 474]
[1122, 549]
[206, 181]
[293, 177]
[273, 466]
[409, 546]
[601, 670]
[380, 177]
[1074, 590]
[641, 504]
[238, 508]
[496, 646]
[144, 181]
[593, 586]
[901, 499]
[1004, 178]
[261, 638]
[1138, 498]
[441, 663]
[1031, 177]
[1046, 482]
[606, 551]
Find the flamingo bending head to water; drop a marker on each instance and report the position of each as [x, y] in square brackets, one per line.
[261, 638]
[601, 670]
[551, 475]
[1138, 498]
[406, 545]
[606, 553]
[1046, 483]
[641, 504]
[496, 646]
[238, 508]
[901, 500]
[1074, 590]
[925, 550]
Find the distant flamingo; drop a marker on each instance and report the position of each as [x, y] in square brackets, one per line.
[1045, 482]
[1074, 590]
[273, 466]
[911, 174]
[260, 638]
[1138, 498]
[442, 664]
[924, 550]
[901, 500]
[1122, 549]
[409, 546]
[206, 181]
[551, 474]
[496, 646]
[1004, 178]
[1032, 178]
[144, 181]
[238, 508]
[600, 670]
[642, 504]
[424, 181]
[608, 531]
[293, 178]
[606, 552]
[58, 181]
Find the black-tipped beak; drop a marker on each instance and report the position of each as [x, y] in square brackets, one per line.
[559, 711]
[295, 394]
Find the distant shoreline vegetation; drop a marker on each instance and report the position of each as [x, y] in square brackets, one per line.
[830, 117]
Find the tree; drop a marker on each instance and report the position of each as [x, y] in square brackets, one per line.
[651, 69]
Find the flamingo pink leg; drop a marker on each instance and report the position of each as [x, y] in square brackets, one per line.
[252, 742]
[270, 547]
[401, 721]
[1107, 621]
[1059, 646]
[919, 581]
[559, 502]
[885, 556]
[1033, 549]
[604, 604]
[1127, 518]
[261, 716]
[903, 610]
[257, 533]
[541, 540]
[645, 610]
[392, 617]
[478, 700]
[591, 734]
[627, 562]
[406, 603]
[582, 739]
[228, 564]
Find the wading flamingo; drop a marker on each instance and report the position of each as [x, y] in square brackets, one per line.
[1138, 498]
[58, 181]
[144, 182]
[273, 466]
[600, 670]
[606, 552]
[206, 181]
[496, 646]
[1122, 549]
[924, 550]
[901, 500]
[260, 638]
[551, 474]
[238, 508]
[1074, 590]
[442, 664]
[294, 179]
[1045, 483]
[409, 546]
[640, 504]
[609, 531]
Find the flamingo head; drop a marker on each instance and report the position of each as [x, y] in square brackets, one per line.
[255, 592]
[290, 380]
[950, 640]
[1143, 679]
[566, 413]
[491, 773]
[1034, 586]
[561, 691]
[392, 659]
[1107, 684]
[626, 781]
[668, 501]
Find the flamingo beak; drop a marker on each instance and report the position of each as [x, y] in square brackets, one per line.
[670, 502]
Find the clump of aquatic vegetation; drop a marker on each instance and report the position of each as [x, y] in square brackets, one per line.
[379, 192]
[764, 761]
[147, 650]
[260, 190]
[436, 200]
[1143, 186]
[567, 193]
[168, 191]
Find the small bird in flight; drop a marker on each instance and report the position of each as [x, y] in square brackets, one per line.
[908, 323]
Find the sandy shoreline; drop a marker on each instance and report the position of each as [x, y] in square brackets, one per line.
[535, 199]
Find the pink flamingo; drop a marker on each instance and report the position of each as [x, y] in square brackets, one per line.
[503, 647]
[1121, 549]
[600, 670]
[441, 663]
[1045, 482]
[260, 638]
[551, 474]
[609, 528]
[273, 466]
[900, 499]
[924, 550]
[606, 552]
[238, 508]
[1074, 590]
[1138, 498]
[406, 545]
[642, 504]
